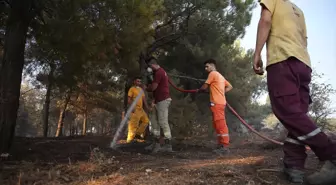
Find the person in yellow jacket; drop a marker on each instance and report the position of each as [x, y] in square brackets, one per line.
[139, 119]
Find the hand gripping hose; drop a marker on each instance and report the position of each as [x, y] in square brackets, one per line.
[234, 112]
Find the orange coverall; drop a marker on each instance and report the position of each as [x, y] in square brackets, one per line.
[217, 84]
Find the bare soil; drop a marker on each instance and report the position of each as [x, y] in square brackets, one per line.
[89, 161]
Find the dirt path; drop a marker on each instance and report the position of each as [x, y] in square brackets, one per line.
[87, 160]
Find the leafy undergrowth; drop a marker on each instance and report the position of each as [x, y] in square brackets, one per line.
[89, 161]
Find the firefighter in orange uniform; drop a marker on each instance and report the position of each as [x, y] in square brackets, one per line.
[218, 87]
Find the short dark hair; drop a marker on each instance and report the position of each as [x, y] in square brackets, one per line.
[152, 60]
[210, 61]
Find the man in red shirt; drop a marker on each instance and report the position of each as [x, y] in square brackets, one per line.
[160, 89]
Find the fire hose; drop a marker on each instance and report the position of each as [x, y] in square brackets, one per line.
[234, 112]
[130, 109]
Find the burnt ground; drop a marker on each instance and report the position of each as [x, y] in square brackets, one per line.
[89, 161]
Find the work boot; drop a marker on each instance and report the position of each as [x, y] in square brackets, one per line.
[221, 150]
[133, 141]
[294, 175]
[167, 146]
[154, 147]
[327, 174]
[138, 137]
[151, 146]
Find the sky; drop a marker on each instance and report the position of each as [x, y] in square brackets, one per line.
[321, 31]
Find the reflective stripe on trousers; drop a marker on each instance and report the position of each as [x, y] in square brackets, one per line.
[222, 135]
[309, 135]
[304, 137]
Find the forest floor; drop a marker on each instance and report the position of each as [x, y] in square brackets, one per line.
[88, 160]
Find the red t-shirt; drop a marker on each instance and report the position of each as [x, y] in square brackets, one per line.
[162, 91]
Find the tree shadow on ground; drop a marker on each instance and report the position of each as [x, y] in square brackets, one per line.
[89, 160]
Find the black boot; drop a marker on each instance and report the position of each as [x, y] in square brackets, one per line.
[154, 146]
[221, 150]
[327, 174]
[294, 175]
[167, 147]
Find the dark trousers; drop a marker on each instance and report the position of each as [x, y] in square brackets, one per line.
[288, 88]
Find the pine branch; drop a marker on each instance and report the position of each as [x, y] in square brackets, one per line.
[7, 2]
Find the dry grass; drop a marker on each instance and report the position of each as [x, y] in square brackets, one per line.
[194, 163]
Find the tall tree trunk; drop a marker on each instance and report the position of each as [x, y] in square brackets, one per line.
[11, 69]
[143, 66]
[71, 129]
[60, 123]
[126, 88]
[76, 131]
[107, 127]
[49, 131]
[101, 129]
[62, 115]
[84, 122]
[47, 102]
